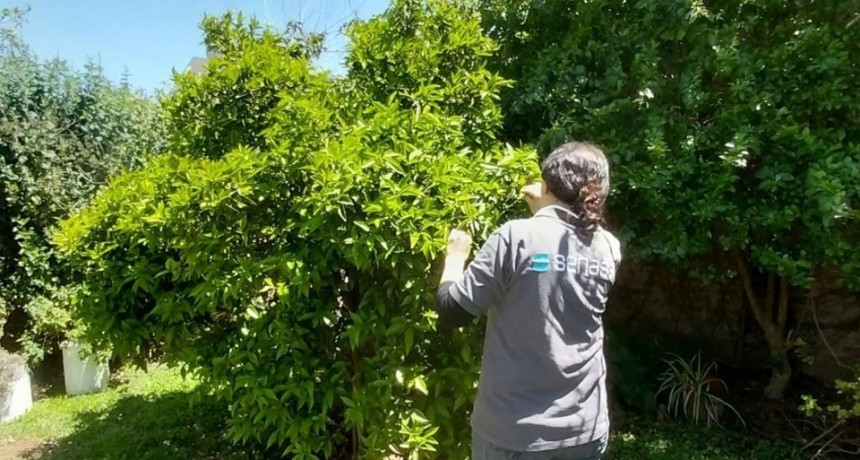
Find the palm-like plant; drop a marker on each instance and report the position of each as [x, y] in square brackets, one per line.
[693, 390]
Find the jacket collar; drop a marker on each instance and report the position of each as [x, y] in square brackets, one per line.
[562, 213]
[557, 211]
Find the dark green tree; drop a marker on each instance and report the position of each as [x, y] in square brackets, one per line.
[732, 126]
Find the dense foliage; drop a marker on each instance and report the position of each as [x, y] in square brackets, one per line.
[732, 126]
[63, 133]
[284, 250]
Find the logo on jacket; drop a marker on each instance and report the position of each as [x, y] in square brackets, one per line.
[541, 262]
[544, 262]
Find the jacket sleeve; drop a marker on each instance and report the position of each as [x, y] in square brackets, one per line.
[451, 314]
[485, 281]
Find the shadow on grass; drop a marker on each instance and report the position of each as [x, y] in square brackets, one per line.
[140, 427]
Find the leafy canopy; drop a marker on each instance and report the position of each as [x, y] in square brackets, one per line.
[732, 125]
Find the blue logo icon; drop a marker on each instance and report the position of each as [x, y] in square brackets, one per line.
[540, 262]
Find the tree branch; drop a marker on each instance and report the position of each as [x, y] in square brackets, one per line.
[820, 436]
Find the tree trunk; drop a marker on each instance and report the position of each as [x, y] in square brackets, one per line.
[771, 317]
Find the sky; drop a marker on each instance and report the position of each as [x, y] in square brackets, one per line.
[149, 38]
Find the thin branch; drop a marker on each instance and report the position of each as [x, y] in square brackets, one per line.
[838, 449]
[825, 433]
[828, 447]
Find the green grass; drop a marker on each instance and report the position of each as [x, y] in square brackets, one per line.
[151, 417]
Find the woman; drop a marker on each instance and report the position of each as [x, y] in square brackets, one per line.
[543, 283]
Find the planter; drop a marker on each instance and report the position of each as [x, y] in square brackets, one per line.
[83, 375]
[18, 397]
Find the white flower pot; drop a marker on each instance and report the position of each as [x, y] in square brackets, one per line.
[83, 375]
[19, 395]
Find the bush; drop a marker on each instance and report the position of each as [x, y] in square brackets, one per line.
[294, 273]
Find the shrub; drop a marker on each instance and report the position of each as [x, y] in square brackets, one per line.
[293, 274]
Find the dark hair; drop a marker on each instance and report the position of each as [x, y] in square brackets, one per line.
[577, 173]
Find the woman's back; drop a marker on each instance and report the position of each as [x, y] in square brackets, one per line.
[543, 282]
[543, 375]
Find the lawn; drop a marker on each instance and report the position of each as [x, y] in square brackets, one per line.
[150, 416]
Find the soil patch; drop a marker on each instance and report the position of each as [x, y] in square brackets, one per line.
[23, 449]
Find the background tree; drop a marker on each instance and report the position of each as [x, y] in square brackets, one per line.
[732, 126]
[63, 133]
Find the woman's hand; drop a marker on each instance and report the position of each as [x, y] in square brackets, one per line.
[459, 244]
[533, 194]
[459, 248]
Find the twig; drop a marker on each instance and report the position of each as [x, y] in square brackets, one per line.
[825, 433]
[830, 448]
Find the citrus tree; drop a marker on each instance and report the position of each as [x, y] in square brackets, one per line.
[290, 267]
